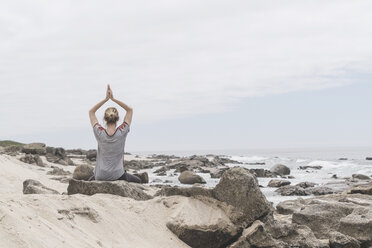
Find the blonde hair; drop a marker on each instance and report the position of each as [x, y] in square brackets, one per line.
[111, 115]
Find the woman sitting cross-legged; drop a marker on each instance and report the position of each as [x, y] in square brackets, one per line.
[111, 142]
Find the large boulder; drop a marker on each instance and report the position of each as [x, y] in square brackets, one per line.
[31, 186]
[121, 188]
[83, 172]
[280, 169]
[34, 148]
[202, 225]
[239, 188]
[276, 183]
[339, 240]
[358, 225]
[190, 177]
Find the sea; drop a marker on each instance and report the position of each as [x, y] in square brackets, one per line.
[342, 162]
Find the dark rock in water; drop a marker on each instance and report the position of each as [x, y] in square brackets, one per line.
[188, 192]
[276, 183]
[34, 148]
[121, 188]
[143, 176]
[361, 176]
[223, 160]
[83, 172]
[334, 176]
[189, 177]
[368, 158]
[339, 240]
[315, 167]
[58, 172]
[157, 180]
[292, 190]
[306, 184]
[280, 169]
[31, 186]
[162, 171]
[342, 159]
[32, 159]
[240, 189]
[163, 157]
[261, 173]
[91, 155]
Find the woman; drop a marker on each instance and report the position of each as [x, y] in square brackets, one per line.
[111, 141]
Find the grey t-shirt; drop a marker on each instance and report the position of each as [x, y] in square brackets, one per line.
[110, 153]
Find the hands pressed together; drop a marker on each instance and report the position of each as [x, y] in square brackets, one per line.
[109, 94]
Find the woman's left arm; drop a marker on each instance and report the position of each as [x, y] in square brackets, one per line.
[92, 111]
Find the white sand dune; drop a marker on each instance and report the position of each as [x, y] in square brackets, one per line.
[78, 220]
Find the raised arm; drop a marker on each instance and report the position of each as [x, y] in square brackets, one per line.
[92, 111]
[129, 114]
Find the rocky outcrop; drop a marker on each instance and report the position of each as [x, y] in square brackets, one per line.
[189, 177]
[361, 176]
[91, 155]
[58, 156]
[13, 150]
[83, 172]
[31, 186]
[121, 188]
[300, 191]
[32, 159]
[276, 183]
[239, 189]
[280, 169]
[341, 218]
[365, 189]
[34, 148]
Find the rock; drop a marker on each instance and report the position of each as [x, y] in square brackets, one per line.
[280, 169]
[223, 160]
[162, 171]
[12, 150]
[83, 172]
[31, 186]
[368, 158]
[91, 155]
[239, 188]
[343, 159]
[321, 190]
[290, 206]
[32, 159]
[76, 151]
[157, 180]
[189, 177]
[361, 176]
[276, 183]
[202, 225]
[339, 240]
[306, 184]
[58, 156]
[143, 176]
[358, 225]
[34, 148]
[292, 190]
[121, 188]
[306, 167]
[58, 172]
[321, 217]
[188, 192]
[365, 189]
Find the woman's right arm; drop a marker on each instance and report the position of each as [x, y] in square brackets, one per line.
[129, 114]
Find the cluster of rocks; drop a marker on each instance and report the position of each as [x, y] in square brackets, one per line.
[58, 156]
[32, 159]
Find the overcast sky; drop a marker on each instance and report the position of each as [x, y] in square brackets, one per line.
[199, 74]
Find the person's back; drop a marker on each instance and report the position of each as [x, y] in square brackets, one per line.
[110, 152]
[111, 142]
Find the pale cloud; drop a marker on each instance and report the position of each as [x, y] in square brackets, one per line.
[171, 59]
